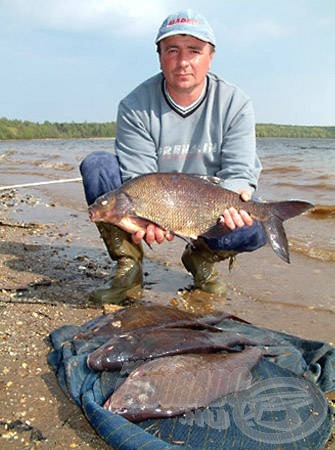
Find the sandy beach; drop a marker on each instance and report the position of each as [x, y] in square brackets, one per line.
[51, 257]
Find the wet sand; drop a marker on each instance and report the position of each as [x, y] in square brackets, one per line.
[51, 257]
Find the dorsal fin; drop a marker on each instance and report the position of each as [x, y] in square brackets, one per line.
[210, 178]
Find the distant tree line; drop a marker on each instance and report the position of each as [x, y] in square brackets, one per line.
[18, 129]
[294, 131]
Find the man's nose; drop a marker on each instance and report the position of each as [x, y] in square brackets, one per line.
[182, 59]
[184, 63]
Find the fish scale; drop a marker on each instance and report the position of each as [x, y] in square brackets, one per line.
[171, 194]
[172, 385]
[189, 206]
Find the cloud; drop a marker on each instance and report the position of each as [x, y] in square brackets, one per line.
[107, 16]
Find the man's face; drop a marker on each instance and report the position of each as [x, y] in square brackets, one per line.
[185, 61]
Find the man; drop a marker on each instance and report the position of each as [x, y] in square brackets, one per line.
[184, 119]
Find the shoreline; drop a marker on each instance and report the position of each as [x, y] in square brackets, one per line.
[69, 139]
[51, 257]
[257, 279]
[112, 138]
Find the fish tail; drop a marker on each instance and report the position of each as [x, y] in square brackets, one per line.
[274, 228]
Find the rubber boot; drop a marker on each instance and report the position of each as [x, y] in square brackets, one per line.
[200, 260]
[127, 281]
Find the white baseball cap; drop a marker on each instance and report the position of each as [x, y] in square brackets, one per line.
[186, 22]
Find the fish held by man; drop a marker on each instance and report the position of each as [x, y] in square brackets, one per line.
[172, 385]
[189, 206]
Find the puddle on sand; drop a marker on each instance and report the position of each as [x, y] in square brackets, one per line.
[197, 301]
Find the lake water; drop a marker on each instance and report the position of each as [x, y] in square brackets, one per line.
[292, 169]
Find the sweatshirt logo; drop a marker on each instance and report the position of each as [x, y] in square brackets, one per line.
[187, 150]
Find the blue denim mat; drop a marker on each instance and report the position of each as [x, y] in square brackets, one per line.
[285, 407]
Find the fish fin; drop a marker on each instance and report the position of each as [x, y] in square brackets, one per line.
[290, 208]
[231, 263]
[211, 179]
[215, 231]
[274, 225]
[277, 237]
[187, 240]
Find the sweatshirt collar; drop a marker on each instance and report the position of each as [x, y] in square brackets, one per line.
[185, 111]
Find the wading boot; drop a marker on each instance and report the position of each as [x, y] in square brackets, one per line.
[127, 281]
[199, 260]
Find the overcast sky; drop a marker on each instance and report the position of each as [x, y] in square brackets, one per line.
[73, 60]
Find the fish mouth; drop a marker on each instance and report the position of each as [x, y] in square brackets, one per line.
[96, 364]
[92, 215]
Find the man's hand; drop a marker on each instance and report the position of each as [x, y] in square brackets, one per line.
[140, 230]
[152, 234]
[233, 218]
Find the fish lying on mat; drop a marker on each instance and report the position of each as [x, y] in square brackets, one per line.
[189, 206]
[141, 317]
[173, 385]
[153, 343]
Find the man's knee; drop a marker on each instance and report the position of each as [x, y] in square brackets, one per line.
[96, 160]
[245, 239]
[101, 173]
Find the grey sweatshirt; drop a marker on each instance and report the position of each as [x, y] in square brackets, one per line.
[217, 137]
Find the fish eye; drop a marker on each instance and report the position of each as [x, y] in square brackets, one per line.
[104, 202]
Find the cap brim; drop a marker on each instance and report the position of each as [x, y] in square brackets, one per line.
[188, 33]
